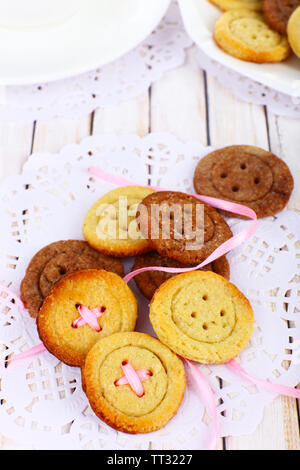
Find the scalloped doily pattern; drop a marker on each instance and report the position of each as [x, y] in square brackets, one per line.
[48, 408]
[121, 80]
[251, 91]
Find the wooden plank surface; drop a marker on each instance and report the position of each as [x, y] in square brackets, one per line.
[192, 106]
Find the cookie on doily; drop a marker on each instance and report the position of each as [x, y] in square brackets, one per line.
[226, 5]
[133, 382]
[149, 281]
[181, 227]
[293, 31]
[56, 260]
[110, 226]
[278, 12]
[246, 175]
[201, 316]
[244, 34]
[61, 321]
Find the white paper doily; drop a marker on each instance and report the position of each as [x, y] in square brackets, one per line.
[41, 399]
[121, 80]
[252, 91]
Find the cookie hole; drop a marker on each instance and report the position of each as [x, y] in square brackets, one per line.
[62, 271]
[77, 305]
[102, 309]
[222, 313]
[223, 175]
[243, 166]
[235, 189]
[193, 314]
[204, 326]
[150, 373]
[204, 297]
[256, 180]
[124, 363]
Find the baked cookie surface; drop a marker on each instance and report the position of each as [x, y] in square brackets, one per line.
[278, 12]
[110, 226]
[56, 260]
[246, 175]
[233, 4]
[202, 317]
[118, 404]
[244, 34]
[293, 31]
[149, 281]
[92, 289]
[181, 227]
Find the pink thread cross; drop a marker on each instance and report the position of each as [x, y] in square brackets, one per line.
[133, 378]
[89, 316]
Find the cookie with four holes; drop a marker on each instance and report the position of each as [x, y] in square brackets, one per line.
[181, 227]
[244, 34]
[146, 404]
[226, 5]
[110, 226]
[245, 175]
[293, 31]
[278, 12]
[60, 324]
[56, 260]
[201, 316]
[149, 281]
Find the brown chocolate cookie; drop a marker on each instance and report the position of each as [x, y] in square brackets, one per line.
[56, 260]
[246, 175]
[277, 13]
[181, 227]
[149, 281]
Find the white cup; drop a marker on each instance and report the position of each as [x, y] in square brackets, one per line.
[36, 14]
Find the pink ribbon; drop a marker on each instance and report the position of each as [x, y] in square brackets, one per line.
[89, 316]
[271, 386]
[133, 378]
[224, 248]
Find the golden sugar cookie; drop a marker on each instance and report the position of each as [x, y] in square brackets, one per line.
[234, 4]
[94, 289]
[56, 260]
[293, 31]
[201, 316]
[278, 12]
[117, 403]
[244, 34]
[110, 225]
[149, 281]
[246, 175]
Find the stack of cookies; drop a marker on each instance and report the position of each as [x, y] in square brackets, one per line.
[86, 313]
[259, 30]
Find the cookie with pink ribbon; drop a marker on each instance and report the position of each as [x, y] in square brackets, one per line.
[133, 382]
[245, 175]
[149, 281]
[83, 308]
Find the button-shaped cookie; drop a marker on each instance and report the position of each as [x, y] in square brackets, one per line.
[234, 4]
[244, 34]
[110, 226]
[246, 175]
[201, 316]
[278, 12]
[149, 281]
[133, 382]
[293, 31]
[56, 260]
[83, 308]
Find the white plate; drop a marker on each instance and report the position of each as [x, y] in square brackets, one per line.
[100, 32]
[199, 18]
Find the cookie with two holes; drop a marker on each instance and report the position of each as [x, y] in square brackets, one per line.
[90, 288]
[245, 175]
[56, 260]
[202, 317]
[118, 405]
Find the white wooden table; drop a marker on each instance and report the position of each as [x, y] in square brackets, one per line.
[193, 106]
